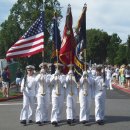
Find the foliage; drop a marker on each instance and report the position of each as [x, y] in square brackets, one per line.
[101, 47]
[97, 45]
[128, 50]
[113, 48]
[121, 55]
[22, 15]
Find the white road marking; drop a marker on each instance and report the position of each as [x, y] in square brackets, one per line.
[9, 104]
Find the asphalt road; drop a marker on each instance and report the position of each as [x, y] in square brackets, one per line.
[117, 115]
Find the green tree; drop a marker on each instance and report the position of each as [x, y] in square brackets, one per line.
[113, 48]
[121, 55]
[97, 45]
[128, 50]
[22, 15]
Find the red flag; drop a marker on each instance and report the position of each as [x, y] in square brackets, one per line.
[68, 43]
[30, 43]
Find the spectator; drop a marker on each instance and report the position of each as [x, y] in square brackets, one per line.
[122, 75]
[19, 75]
[0, 84]
[8, 73]
[108, 77]
[5, 82]
[127, 76]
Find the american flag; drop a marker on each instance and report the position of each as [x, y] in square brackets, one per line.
[32, 42]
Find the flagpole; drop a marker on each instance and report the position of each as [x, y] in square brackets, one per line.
[43, 11]
[57, 54]
[69, 7]
[85, 54]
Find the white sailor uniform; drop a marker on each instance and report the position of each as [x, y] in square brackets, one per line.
[100, 96]
[71, 97]
[28, 87]
[57, 83]
[43, 97]
[85, 97]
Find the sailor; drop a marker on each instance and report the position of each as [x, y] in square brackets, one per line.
[85, 96]
[43, 95]
[108, 78]
[28, 87]
[71, 96]
[57, 81]
[93, 71]
[100, 96]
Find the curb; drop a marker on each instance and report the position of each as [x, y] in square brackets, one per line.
[120, 88]
[10, 98]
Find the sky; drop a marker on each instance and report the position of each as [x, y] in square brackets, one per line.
[111, 16]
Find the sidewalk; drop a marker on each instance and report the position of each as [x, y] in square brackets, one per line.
[122, 88]
[16, 96]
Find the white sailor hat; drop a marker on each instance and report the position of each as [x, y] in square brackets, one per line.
[58, 64]
[70, 65]
[84, 72]
[43, 64]
[86, 63]
[70, 72]
[99, 66]
[49, 64]
[57, 72]
[30, 67]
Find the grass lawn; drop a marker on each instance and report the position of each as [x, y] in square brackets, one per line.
[10, 94]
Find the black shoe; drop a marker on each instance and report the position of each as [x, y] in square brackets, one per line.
[23, 122]
[38, 122]
[100, 122]
[74, 120]
[84, 122]
[69, 121]
[30, 121]
[54, 123]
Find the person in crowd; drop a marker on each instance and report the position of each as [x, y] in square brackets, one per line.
[93, 71]
[108, 74]
[127, 76]
[122, 75]
[5, 82]
[28, 87]
[9, 75]
[117, 73]
[71, 96]
[19, 75]
[100, 96]
[43, 95]
[57, 81]
[0, 83]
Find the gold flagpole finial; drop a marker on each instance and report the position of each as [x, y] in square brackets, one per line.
[69, 5]
[85, 5]
[55, 14]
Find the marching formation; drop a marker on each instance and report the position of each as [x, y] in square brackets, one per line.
[53, 90]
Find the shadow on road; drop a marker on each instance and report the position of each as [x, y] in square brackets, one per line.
[114, 119]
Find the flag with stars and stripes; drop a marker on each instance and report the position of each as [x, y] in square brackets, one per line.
[32, 42]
